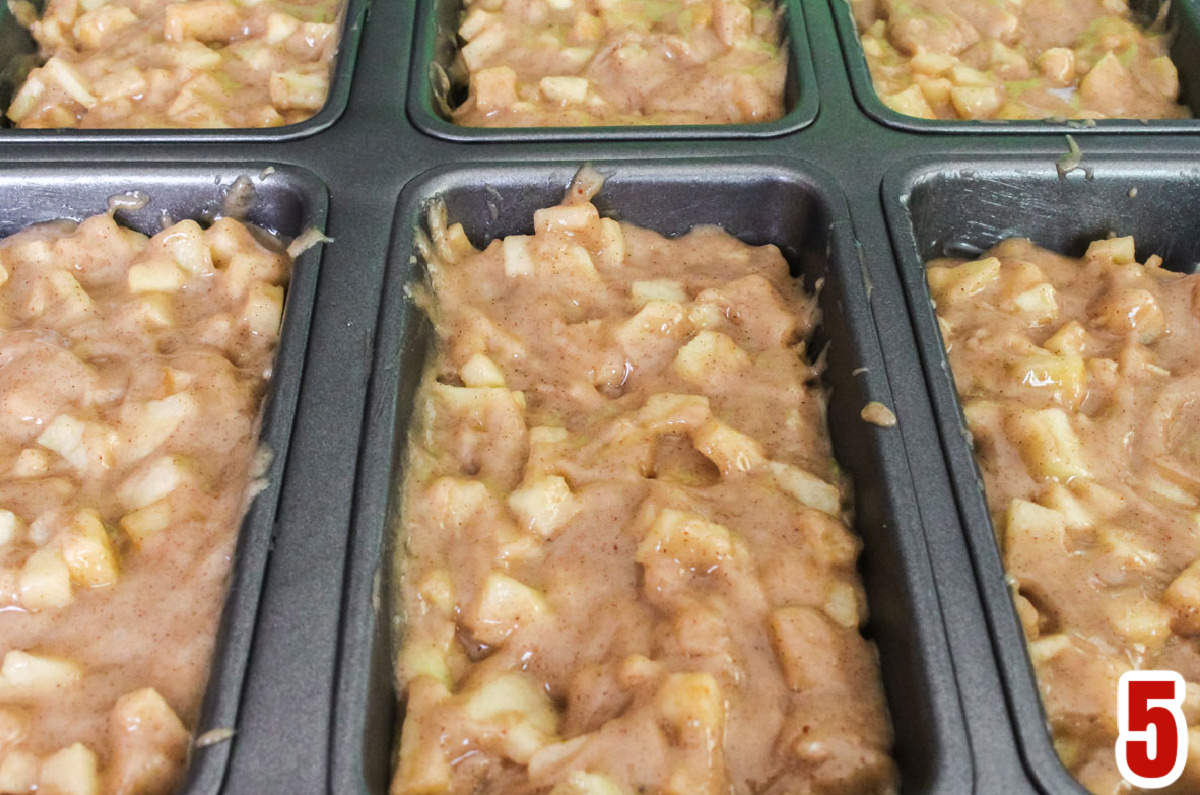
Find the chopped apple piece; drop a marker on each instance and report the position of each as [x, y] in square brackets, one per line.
[807, 487]
[1038, 303]
[692, 702]
[494, 88]
[806, 643]
[481, 371]
[155, 276]
[565, 90]
[1032, 534]
[10, 526]
[31, 463]
[504, 604]
[19, 772]
[1071, 339]
[669, 290]
[72, 771]
[544, 504]
[1141, 621]
[149, 741]
[667, 412]
[294, 90]
[689, 539]
[710, 355]
[456, 500]
[154, 482]
[580, 783]
[1048, 443]
[962, 281]
[422, 765]
[517, 259]
[88, 551]
[1183, 594]
[510, 700]
[263, 310]
[280, 27]
[729, 449]
[186, 244]
[25, 676]
[147, 521]
[155, 421]
[45, 580]
[1064, 378]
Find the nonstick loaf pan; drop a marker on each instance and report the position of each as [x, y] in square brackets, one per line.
[437, 45]
[287, 200]
[936, 206]
[18, 54]
[1182, 19]
[790, 204]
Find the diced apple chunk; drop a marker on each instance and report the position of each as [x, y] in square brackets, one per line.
[643, 292]
[504, 604]
[911, 102]
[72, 771]
[202, 20]
[710, 355]
[145, 522]
[280, 27]
[10, 526]
[149, 742]
[186, 244]
[687, 538]
[1048, 443]
[1063, 378]
[88, 551]
[45, 580]
[1038, 303]
[154, 422]
[154, 482]
[422, 765]
[1183, 594]
[263, 310]
[963, 281]
[25, 676]
[456, 500]
[31, 463]
[580, 783]
[564, 90]
[807, 487]
[1141, 621]
[70, 80]
[806, 643]
[544, 504]
[155, 276]
[512, 698]
[19, 772]
[731, 450]
[517, 259]
[566, 218]
[692, 701]
[292, 90]
[481, 371]
[1032, 533]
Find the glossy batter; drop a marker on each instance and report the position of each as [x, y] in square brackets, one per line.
[625, 554]
[196, 63]
[555, 63]
[131, 375]
[1080, 381]
[1029, 59]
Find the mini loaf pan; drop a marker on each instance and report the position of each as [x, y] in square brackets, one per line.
[1183, 21]
[287, 201]
[18, 54]
[437, 45]
[760, 201]
[936, 207]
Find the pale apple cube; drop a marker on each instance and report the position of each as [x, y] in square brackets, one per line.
[709, 355]
[88, 551]
[580, 783]
[3, 275]
[1048, 443]
[573, 261]
[706, 316]
[1039, 303]
[669, 412]
[422, 766]
[1032, 533]
[962, 281]
[93, 28]
[687, 538]
[932, 63]
[563, 89]
[263, 311]
[10, 526]
[517, 259]
[911, 102]
[154, 482]
[494, 88]
[25, 676]
[1124, 547]
[72, 771]
[1117, 250]
[807, 487]
[486, 44]
[611, 249]
[154, 422]
[149, 742]
[256, 55]
[512, 698]
[566, 218]
[186, 244]
[456, 500]
[160, 275]
[293, 90]
[19, 772]
[475, 21]
[731, 21]
[1139, 620]
[1071, 339]
[731, 450]
[806, 644]
[842, 604]
[1076, 515]
[280, 27]
[1183, 594]
[27, 98]
[1108, 78]
[504, 604]
[1065, 377]
[69, 292]
[481, 371]
[655, 322]
[145, 522]
[155, 310]
[437, 589]
[202, 20]
[1048, 647]
[976, 102]
[69, 80]
[668, 290]
[691, 701]
[425, 659]
[544, 504]
[44, 581]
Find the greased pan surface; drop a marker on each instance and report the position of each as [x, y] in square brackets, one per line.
[18, 53]
[791, 205]
[934, 210]
[287, 201]
[1182, 19]
[437, 44]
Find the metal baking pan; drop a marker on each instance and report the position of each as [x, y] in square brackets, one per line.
[18, 54]
[1183, 21]
[937, 207]
[437, 44]
[790, 204]
[287, 201]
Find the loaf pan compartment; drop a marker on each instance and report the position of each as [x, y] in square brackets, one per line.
[18, 54]
[437, 45]
[937, 207]
[1183, 19]
[759, 201]
[287, 201]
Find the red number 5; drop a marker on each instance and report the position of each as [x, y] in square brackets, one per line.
[1153, 741]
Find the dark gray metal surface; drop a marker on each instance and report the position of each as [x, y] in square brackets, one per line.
[290, 739]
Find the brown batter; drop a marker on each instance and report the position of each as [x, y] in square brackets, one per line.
[1037, 59]
[131, 374]
[551, 63]
[196, 63]
[1080, 381]
[626, 560]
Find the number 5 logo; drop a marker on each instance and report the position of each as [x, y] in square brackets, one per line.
[1153, 742]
